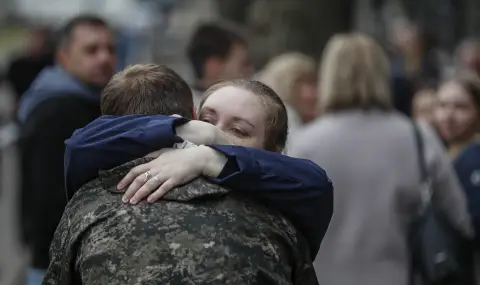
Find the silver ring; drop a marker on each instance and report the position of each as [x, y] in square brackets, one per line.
[147, 176]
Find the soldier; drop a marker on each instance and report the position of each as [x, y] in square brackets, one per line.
[199, 233]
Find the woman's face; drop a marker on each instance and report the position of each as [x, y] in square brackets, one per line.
[238, 113]
[456, 115]
[306, 100]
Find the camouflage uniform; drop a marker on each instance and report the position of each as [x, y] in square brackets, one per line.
[199, 234]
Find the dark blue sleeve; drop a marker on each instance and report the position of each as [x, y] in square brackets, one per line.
[298, 188]
[110, 141]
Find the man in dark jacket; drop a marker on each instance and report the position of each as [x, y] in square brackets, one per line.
[199, 233]
[62, 99]
[24, 68]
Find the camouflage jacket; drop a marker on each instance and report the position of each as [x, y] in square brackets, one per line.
[198, 234]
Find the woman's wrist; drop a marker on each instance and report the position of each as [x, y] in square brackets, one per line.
[197, 132]
[213, 161]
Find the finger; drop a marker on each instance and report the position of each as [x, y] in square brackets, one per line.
[146, 189]
[162, 190]
[132, 174]
[134, 187]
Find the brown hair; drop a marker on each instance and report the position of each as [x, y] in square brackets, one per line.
[471, 84]
[355, 75]
[67, 31]
[147, 89]
[276, 114]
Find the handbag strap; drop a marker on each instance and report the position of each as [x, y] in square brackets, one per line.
[426, 189]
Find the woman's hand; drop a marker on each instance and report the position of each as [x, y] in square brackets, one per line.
[172, 168]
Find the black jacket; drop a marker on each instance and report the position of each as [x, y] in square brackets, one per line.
[43, 195]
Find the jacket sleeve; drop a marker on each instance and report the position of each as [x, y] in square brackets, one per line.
[61, 257]
[298, 188]
[111, 141]
[304, 272]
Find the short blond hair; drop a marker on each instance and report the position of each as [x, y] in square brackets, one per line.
[355, 75]
[283, 72]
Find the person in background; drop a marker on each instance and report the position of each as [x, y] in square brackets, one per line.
[23, 70]
[369, 151]
[293, 77]
[424, 105]
[459, 123]
[414, 58]
[217, 53]
[467, 56]
[62, 99]
[457, 117]
[200, 233]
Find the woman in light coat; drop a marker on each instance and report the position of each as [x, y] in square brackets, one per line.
[369, 152]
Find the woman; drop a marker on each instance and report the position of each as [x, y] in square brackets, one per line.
[458, 123]
[467, 56]
[369, 151]
[458, 115]
[250, 115]
[293, 77]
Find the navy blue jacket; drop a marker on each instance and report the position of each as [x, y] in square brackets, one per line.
[298, 188]
[467, 166]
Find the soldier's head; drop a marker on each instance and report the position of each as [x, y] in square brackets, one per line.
[86, 50]
[147, 89]
[218, 53]
[250, 112]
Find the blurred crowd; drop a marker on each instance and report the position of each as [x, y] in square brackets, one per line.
[354, 112]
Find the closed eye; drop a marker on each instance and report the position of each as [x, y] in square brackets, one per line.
[206, 119]
[239, 133]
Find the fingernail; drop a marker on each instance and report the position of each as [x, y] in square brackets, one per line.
[120, 186]
[133, 201]
[150, 200]
[124, 199]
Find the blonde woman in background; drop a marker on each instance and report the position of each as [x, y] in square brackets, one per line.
[369, 152]
[293, 77]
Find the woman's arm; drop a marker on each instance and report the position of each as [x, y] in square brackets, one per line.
[110, 141]
[298, 188]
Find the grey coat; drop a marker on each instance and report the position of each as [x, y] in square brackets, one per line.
[371, 159]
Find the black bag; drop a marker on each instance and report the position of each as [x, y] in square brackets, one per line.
[440, 253]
